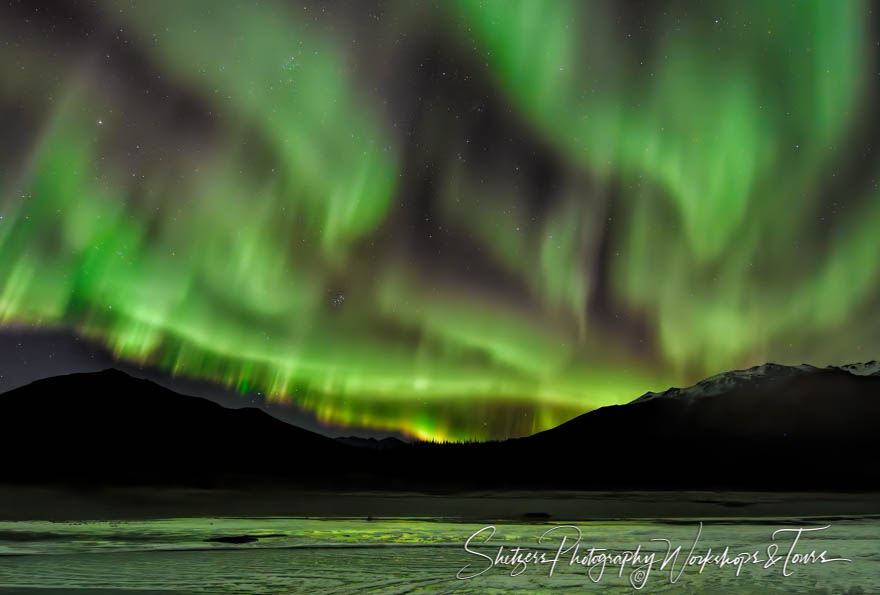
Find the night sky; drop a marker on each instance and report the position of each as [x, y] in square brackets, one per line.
[450, 220]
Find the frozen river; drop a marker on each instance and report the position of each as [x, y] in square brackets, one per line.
[418, 555]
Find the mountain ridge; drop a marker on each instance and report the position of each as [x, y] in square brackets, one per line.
[110, 426]
[717, 384]
[767, 427]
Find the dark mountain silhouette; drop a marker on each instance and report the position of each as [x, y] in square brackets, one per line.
[769, 427]
[108, 427]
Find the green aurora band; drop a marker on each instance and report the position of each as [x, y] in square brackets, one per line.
[718, 204]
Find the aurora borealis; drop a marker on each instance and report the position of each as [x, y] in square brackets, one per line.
[465, 219]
